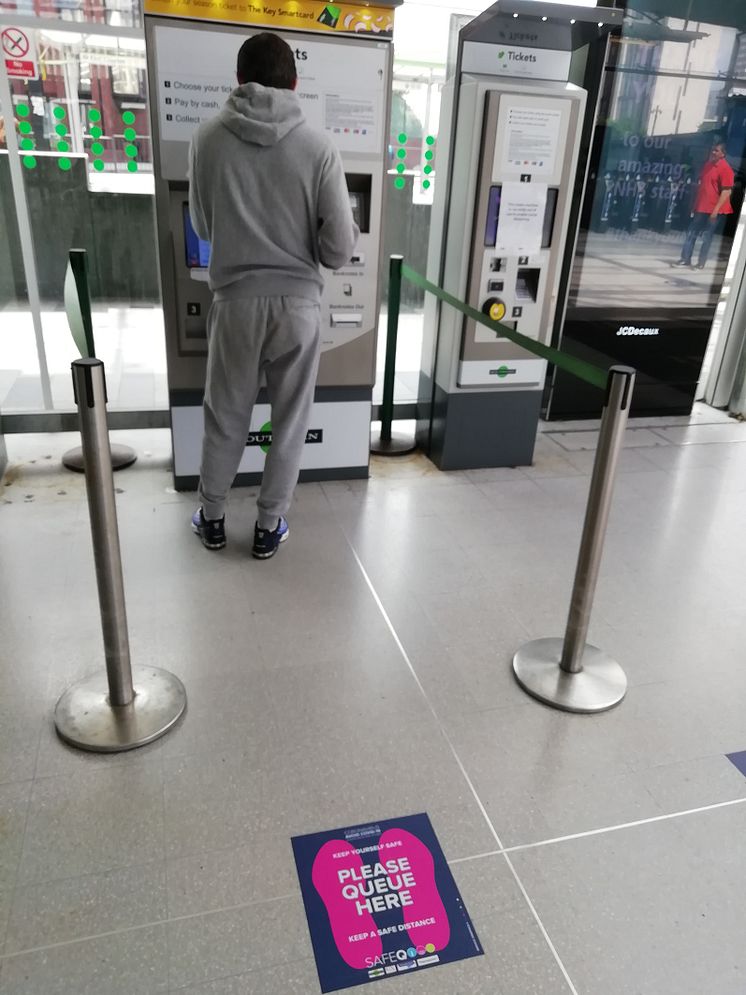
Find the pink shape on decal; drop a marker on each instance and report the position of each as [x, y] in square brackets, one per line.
[346, 924]
[427, 903]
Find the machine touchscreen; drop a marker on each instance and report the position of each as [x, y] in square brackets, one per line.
[196, 249]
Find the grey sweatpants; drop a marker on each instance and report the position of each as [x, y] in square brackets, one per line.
[278, 337]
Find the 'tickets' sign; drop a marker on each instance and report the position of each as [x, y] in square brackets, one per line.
[381, 901]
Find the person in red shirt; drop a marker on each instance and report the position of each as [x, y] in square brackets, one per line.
[711, 204]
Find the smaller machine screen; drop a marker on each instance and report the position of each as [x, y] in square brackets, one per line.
[196, 249]
[493, 216]
[359, 187]
[357, 209]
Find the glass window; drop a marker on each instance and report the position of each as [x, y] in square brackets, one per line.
[118, 13]
[87, 176]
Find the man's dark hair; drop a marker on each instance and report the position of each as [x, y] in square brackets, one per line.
[268, 60]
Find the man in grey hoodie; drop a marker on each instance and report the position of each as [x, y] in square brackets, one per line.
[269, 193]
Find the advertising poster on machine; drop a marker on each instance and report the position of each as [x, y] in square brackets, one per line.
[303, 15]
[381, 901]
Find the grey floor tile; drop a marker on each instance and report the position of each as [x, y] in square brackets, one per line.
[56, 758]
[20, 729]
[121, 964]
[92, 822]
[298, 978]
[647, 910]
[75, 908]
[218, 879]
[14, 803]
[221, 944]
[219, 801]
[690, 784]
[540, 775]
[231, 710]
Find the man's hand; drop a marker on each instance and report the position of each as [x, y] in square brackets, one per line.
[715, 214]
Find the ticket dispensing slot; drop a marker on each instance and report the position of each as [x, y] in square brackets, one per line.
[346, 320]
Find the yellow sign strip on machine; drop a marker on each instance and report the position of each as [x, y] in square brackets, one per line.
[306, 15]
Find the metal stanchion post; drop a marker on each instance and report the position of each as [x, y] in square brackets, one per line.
[571, 674]
[388, 443]
[124, 709]
[78, 310]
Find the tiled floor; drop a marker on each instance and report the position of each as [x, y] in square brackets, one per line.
[365, 673]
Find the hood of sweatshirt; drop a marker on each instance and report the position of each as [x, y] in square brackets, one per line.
[261, 115]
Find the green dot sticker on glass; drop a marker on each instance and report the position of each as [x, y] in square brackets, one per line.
[25, 128]
[97, 148]
[130, 151]
[402, 138]
[64, 165]
[96, 132]
[63, 147]
[402, 153]
[23, 110]
[428, 169]
[98, 165]
[399, 182]
[430, 140]
[94, 114]
[26, 144]
[426, 184]
[59, 113]
[128, 117]
[29, 162]
[130, 134]
[132, 166]
[401, 167]
[428, 155]
[61, 130]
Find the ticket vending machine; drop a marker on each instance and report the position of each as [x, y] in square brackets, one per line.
[516, 120]
[344, 58]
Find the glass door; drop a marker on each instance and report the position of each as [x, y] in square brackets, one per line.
[77, 171]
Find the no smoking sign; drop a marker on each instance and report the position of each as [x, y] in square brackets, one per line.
[19, 53]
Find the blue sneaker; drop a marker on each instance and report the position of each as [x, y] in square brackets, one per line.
[212, 533]
[267, 543]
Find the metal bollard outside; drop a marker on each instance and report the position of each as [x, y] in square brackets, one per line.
[124, 709]
[569, 673]
[388, 443]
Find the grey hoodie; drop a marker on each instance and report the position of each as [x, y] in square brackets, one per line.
[269, 193]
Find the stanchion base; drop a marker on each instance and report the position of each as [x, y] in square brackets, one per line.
[121, 457]
[398, 445]
[84, 717]
[600, 685]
